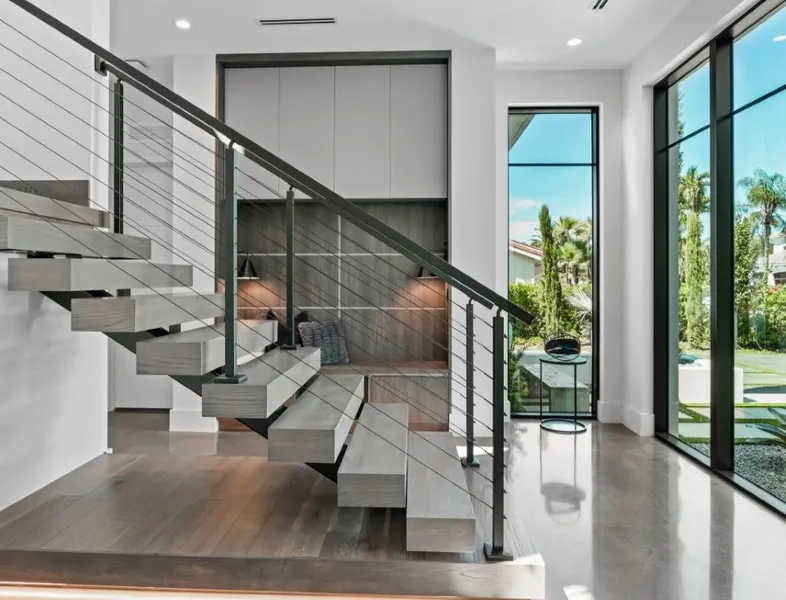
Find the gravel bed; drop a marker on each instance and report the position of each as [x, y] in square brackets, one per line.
[761, 464]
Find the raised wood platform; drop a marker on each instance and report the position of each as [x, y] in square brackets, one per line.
[140, 313]
[374, 470]
[199, 351]
[272, 380]
[314, 428]
[440, 517]
[424, 385]
[66, 275]
[156, 498]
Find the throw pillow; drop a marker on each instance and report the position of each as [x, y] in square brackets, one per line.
[328, 336]
[283, 337]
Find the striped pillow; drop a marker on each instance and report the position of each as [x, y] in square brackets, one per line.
[328, 336]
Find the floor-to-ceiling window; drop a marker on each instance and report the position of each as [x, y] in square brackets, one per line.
[759, 150]
[552, 191]
[688, 155]
[720, 254]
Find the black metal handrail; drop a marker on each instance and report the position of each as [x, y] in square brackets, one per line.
[285, 171]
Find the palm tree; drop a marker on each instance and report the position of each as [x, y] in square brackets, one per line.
[570, 261]
[565, 230]
[767, 196]
[693, 192]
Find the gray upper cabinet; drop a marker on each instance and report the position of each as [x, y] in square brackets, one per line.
[307, 121]
[419, 131]
[363, 131]
[251, 106]
[371, 131]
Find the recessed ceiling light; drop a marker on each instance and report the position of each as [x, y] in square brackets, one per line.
[574, 42]
[779, 38]
[182, 24]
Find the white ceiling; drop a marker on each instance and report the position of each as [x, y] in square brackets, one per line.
[525, 33]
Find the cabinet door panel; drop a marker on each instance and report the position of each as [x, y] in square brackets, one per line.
[307, 121]
[363, 131]
[251, 107]
[419, 129]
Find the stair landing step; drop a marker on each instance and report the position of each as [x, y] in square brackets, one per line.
[199, 351]
[374, 470]
[27, 234]
[315, 427]
[75, 274]
[272, 379]
[140, 313]
[440, 517]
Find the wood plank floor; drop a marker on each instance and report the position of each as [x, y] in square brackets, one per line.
[155, 494]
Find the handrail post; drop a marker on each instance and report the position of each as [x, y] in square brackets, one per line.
[290, 245]
[496, 550]
[118, 162]
[469, 362]
[230, 269]
[117, 155]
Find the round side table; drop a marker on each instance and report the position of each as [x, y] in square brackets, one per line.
[563, 424]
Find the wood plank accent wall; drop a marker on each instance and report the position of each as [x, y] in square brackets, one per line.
[341, 272]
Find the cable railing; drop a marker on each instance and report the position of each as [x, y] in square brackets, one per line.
[136, 206]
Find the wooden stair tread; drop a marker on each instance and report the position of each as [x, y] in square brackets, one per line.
[40, 206]
[315, 427]
[140, 313]
[272, 379]
[374, 470]
[75, 274]
[29, 234]
[201, 350]
[440, 517]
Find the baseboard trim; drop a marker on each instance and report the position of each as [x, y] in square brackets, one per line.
[610, 412]
[640, 423]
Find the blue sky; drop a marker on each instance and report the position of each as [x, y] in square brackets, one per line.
[759, 135]
[550, 138]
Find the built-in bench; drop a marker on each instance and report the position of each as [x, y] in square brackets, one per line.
[557, 386]
[424, 385]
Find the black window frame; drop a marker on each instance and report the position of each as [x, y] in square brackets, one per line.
[595, 164]
[719, 53]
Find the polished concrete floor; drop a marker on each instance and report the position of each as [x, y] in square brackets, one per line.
[615, 516]
[619, 517]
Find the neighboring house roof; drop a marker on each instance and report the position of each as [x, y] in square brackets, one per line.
[777, 262]
[532, 252]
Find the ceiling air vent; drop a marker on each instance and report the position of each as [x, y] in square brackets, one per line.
[598, 4]
[307, 21]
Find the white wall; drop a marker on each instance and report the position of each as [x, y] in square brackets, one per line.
[688, 32]
[578, 88]
[194, 78]
[54, 400]
[148, 213]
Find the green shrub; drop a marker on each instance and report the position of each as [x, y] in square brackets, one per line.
[525, 295]
[775, 318]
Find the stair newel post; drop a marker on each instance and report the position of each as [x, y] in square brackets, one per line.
[469, 363]
[496, 550]
[229, 236]
[290, 208]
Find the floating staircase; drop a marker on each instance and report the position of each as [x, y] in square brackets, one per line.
[308, 416]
